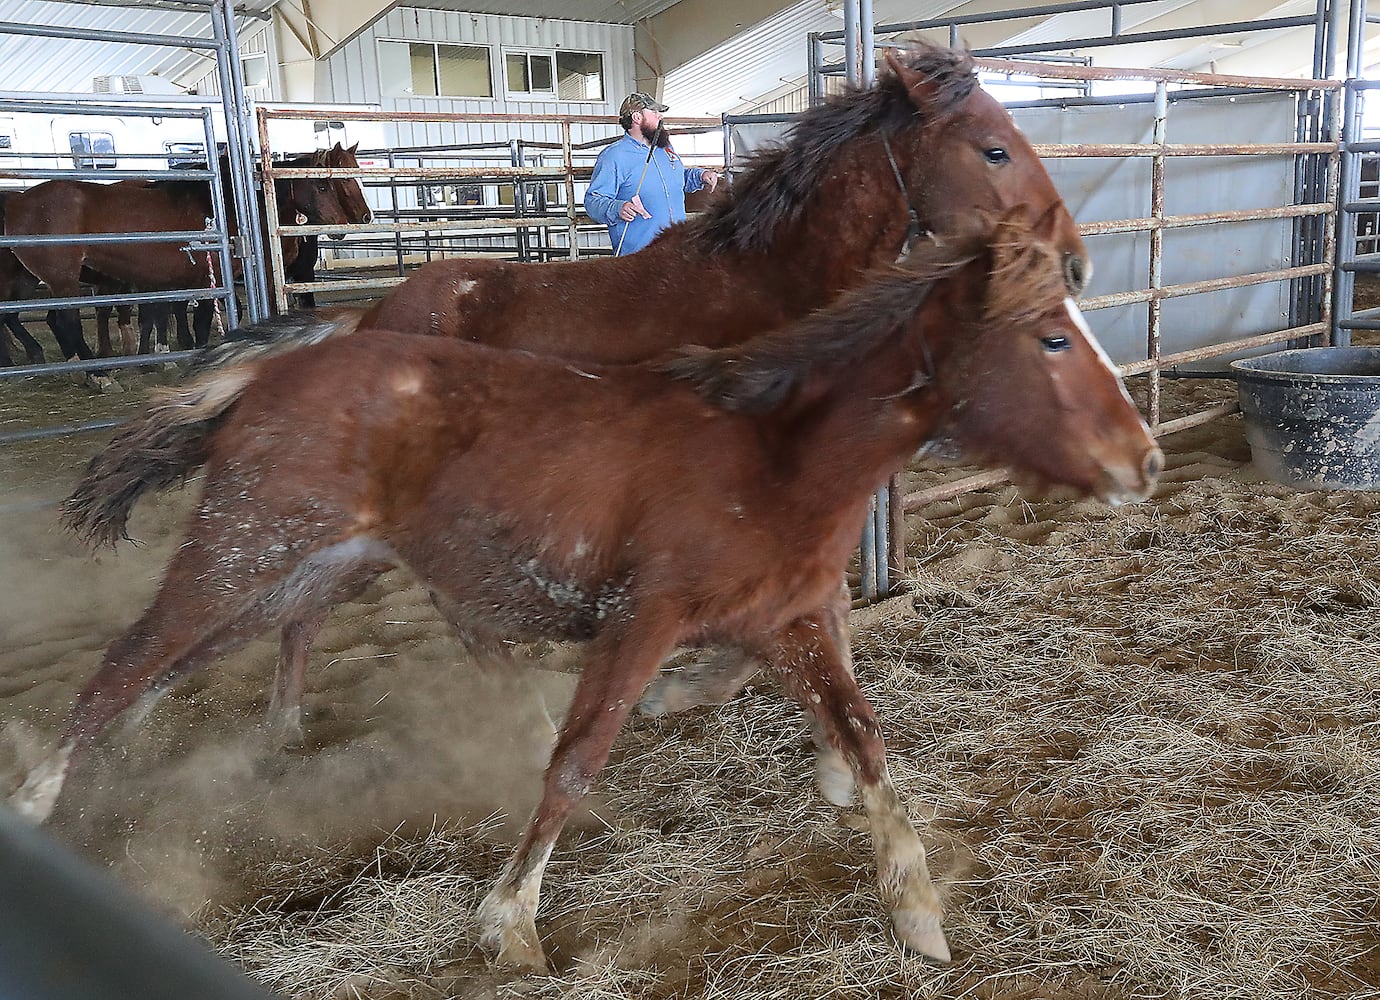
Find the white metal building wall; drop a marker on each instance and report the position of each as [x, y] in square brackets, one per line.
[351, 74]
[256, 39]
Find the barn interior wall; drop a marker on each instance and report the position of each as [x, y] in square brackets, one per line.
[351, 73]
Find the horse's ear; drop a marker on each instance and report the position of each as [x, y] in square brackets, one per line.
[352, 149]
[923, 91]
[337, 148]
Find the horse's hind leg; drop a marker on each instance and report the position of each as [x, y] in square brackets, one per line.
[810, 656]
[218, 592]
[124, 316]
[618, 666]
[713, 677]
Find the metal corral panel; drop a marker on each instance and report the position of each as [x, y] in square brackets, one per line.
[62, 65]
[1103, 189]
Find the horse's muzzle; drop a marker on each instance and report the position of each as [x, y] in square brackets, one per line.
[1124, 484]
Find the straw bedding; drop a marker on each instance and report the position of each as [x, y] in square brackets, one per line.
[1142, 747]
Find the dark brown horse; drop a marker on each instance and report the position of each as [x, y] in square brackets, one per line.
[801, 224]
[78, 207]
[714, 497]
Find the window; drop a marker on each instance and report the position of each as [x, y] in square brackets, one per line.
[564, 76]
[530, 73]
[185, 155]
[90, 143]
[579, 76]
[255, 70]
[430, 69]
[436, 195]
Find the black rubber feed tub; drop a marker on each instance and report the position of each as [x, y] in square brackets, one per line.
[1313, 416]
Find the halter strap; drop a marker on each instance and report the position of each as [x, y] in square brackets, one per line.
[914, 230]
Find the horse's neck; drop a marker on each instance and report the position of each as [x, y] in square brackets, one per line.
[853, 427]
[846, 229]
[840, 236]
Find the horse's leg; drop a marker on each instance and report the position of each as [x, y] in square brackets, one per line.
[220, 590]
[123, 318]
[202, 315]
[184, 336]
[713, 678]
[32, 348]
[289, 681]
[104, 348]
[147, 317]
[617, 668]
[812, 660]
[66, 327]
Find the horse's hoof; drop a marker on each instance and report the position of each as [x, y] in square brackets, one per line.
[664, 696]
[286, 734]
[35, 799]
[510, 939]
[921, 931]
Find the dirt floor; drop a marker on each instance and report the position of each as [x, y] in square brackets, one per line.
[1142, 747]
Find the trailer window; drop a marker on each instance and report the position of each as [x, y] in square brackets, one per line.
[185, 155]
[92, 150]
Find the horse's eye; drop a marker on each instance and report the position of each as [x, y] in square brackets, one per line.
[997, 155]
[1055, 344]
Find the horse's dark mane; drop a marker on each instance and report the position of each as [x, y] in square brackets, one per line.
[759, 375]
[1025, 281]
[778, 181]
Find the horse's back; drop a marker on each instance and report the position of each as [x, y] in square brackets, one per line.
[600, 310]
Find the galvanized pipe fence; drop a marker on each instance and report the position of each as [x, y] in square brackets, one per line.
[544, 220]
[1321, 169]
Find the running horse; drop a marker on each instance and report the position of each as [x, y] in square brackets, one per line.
[515, 486]
[518, 488]
[856, 182]
[80, 207]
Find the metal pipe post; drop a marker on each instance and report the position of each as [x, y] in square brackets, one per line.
[850, 41]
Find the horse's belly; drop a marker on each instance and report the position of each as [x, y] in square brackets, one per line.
[486, 589]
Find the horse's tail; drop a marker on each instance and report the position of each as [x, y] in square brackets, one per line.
[278, 335]
[152, 452]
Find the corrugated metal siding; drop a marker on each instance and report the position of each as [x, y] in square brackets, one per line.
[67, 66]
[256, 38]
[617, 12]
[351, 74]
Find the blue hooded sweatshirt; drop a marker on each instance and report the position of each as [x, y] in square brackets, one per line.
[616, 174]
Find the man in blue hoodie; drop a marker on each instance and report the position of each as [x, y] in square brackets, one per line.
[634, 196]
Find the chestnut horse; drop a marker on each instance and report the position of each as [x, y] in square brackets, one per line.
[76, 207]
[711, 498]
[853, 184]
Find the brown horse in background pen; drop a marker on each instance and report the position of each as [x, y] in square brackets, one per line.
[714, 497]
[853, 185]
[79, 207]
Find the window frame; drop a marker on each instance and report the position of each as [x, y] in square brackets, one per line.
[531, 95]
[436, 70]
[603, 78]
[90, 158]
[553, 95]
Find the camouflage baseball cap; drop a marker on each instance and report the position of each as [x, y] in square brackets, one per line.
[637, 101]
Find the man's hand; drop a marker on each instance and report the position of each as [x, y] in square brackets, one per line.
[632, 209]
[710, 179]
